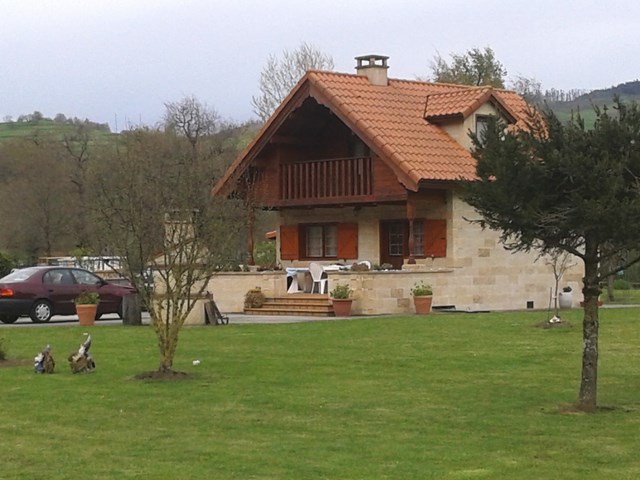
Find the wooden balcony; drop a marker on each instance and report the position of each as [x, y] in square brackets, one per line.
[327, 181]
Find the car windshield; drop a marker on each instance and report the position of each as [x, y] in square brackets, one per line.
[19, 275]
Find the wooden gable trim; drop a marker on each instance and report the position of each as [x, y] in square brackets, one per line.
[227, 184]
[389, 157]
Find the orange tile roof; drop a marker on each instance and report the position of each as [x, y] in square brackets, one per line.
[461, 103]
[394, 121]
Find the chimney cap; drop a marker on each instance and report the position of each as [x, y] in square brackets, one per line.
[373, 60]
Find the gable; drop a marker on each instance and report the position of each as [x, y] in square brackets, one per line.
[391, 120]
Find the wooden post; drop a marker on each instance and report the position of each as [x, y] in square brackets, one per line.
[131, 310]
[411, 215]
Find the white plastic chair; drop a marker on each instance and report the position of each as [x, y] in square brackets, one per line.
[316, 271]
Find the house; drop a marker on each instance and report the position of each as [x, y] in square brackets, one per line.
[366, 167]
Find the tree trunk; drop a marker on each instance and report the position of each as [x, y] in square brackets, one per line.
[251, 219]
[131, 310]
[610, 293]
[589, 377]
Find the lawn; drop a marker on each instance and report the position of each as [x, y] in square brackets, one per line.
[451, 396]
[630, 297]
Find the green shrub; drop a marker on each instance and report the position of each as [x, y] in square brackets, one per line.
[341, 292]
[264, 253]
[621, 284]
[6, 264]
[421, 290]
[87, 298]
[254, 298]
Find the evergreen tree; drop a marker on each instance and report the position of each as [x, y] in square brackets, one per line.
[555, 187]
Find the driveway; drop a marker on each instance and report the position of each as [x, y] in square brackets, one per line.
[113, 319]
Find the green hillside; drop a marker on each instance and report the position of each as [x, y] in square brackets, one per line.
[585, 104]
[49, 128]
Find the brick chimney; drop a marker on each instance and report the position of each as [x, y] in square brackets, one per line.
[374, 67]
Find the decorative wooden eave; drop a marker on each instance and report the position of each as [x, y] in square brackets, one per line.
[227, 183]
[365, 133]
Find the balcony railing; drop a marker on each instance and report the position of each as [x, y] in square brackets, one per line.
[326, 179]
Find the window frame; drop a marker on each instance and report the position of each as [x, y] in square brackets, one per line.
[304, 237]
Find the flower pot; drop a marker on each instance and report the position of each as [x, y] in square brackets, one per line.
[422, 303]
[87, 313]
[565, 299]
[342, 306]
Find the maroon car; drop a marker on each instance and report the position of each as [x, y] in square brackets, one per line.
[41, 292]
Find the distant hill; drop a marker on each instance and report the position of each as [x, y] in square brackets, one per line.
[35, 125]
[629, 91]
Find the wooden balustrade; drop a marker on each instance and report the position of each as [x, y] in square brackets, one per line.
[326, 179]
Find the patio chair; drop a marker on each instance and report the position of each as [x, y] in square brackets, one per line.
[316, 271]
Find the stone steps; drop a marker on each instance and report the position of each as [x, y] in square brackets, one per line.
[295, 304]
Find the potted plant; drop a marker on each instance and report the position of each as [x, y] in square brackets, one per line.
[254, 298]
[422, 297]
[565, 299]
[341, 299]
[87, 307]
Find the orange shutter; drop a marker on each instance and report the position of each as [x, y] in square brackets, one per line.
[348, 240]
[435, 238]
[289, 249]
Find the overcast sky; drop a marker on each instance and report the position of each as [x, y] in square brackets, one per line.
[121, 60]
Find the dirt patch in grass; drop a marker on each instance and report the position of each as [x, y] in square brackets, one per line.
[559, 323]
[15, 362]
[574, 409]
[158, 375]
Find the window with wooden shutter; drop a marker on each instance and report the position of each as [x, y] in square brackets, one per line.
[435, 238]
[289, 244]
[348, 240]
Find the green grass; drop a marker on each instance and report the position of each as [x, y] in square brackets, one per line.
[452, 396]
[47, 128]
[631, 297]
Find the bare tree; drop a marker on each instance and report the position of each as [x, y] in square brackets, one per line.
[191, 118]
[158, 215]
[36, 206]
[279, 76]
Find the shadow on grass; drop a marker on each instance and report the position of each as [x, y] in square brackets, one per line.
[161, 375]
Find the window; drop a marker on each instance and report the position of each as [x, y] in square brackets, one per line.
[482, 125]
[86, 278]
[321, 241]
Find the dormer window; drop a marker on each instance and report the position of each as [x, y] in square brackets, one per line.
[482, 125]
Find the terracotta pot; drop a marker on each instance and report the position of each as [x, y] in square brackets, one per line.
[342, 306]
[422, 303]
[86, 314]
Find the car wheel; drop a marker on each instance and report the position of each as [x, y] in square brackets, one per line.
[8, 318]
[41, 311]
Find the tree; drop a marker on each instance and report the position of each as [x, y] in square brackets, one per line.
[155, 207]
[191, 118]
[475, 67]
[36, 209]
[529, 87]
[563, 187]
[278, 77]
